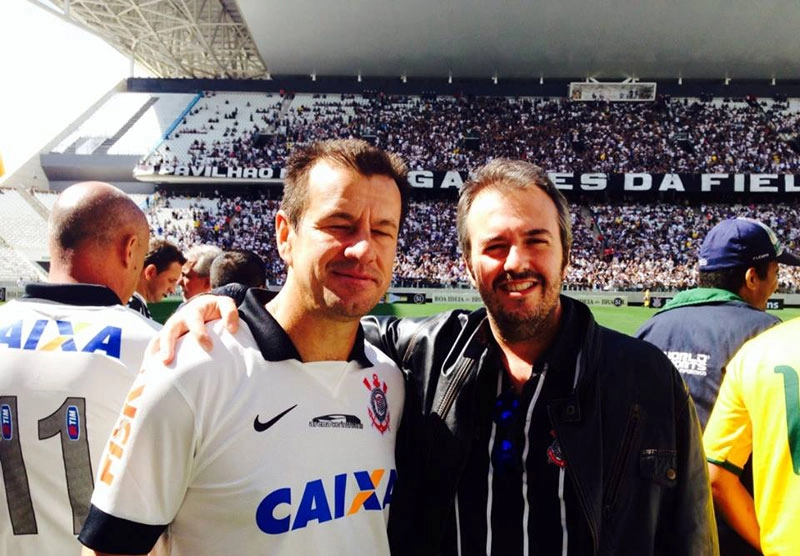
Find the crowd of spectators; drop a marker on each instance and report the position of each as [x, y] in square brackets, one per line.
[617, 245]
[686, 135]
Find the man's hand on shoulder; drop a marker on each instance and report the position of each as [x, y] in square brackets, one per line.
[192, 319]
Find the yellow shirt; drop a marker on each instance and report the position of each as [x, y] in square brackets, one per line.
[758, 411]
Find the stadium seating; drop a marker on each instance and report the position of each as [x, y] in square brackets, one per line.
[616, 246]
[685, 135]
[22, 226]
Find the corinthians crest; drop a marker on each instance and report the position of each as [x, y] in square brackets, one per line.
[378, 404]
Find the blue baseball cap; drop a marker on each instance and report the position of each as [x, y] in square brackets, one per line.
[742, 242]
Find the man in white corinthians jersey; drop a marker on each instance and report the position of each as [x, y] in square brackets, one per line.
[281, 440]
[69, 351]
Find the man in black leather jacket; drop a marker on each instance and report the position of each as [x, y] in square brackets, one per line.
[529, 428]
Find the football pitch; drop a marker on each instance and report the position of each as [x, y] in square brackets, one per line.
[625, 319]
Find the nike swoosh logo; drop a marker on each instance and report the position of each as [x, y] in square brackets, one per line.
[261, 427]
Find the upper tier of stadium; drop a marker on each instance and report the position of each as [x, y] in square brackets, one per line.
[169, 131]
[653, 176]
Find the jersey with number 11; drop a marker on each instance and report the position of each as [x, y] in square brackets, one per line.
[64, 374]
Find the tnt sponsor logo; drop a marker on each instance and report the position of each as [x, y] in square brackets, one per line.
[61, 335]
[73, 423]
[285, 509]
[6, 422]
[118, 442]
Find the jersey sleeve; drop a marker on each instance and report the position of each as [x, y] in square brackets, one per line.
[146, 465]
[729, 434]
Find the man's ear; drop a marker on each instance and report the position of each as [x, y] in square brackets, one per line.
[128, 254]
[751, 278]
[283, 236]
[150, 271]
[469, 272]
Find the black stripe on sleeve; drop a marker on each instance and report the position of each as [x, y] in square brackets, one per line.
[105, 533]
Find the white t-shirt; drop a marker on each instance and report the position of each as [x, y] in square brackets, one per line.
[249, 449]
[65, 370]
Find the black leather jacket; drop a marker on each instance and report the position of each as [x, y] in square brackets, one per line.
[629, 432]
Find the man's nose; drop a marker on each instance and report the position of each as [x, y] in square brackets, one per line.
[516, 259]
[362, 246]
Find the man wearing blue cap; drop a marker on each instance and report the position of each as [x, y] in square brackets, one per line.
[701, 329]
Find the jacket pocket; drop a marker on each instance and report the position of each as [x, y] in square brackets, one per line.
[660, 466]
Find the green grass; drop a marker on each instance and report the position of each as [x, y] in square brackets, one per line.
[623, 319]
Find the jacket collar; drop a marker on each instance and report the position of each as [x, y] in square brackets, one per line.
[570, 336]
[91, 295]
[700, 296]
[272, 339]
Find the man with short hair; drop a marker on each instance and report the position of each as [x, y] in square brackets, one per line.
[196, 272]
[282, 440]
[235, 271]
[160, 275]
[240, 266]
[69, 351]
[701, 329]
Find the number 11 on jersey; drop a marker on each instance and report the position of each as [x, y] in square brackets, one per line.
[69, 422]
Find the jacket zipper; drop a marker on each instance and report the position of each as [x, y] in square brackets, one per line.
[616, 479]
[452, 389]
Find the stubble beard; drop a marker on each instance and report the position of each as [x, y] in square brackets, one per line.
[525, 323]
[348, 308]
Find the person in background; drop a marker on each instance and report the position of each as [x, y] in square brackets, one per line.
[240, 266]
[69, 352]
[234, 272]
[757, 416]
[160, 275]
[196, 272]
[281, 441]
[702, 328]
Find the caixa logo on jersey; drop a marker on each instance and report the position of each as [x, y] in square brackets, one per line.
[73, 423]
[6, 422]
[320, 503]
[61, 335]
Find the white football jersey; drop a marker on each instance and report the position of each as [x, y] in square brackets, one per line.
[65, 370]
[249, 450]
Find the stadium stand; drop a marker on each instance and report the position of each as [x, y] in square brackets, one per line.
[617, 245]
[219, 128]
[23, 224]
[686, 135]
[620, 242]
[124, 124]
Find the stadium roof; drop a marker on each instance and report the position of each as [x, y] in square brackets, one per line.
[602, 39]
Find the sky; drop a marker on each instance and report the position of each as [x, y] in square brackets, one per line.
[51, 71]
